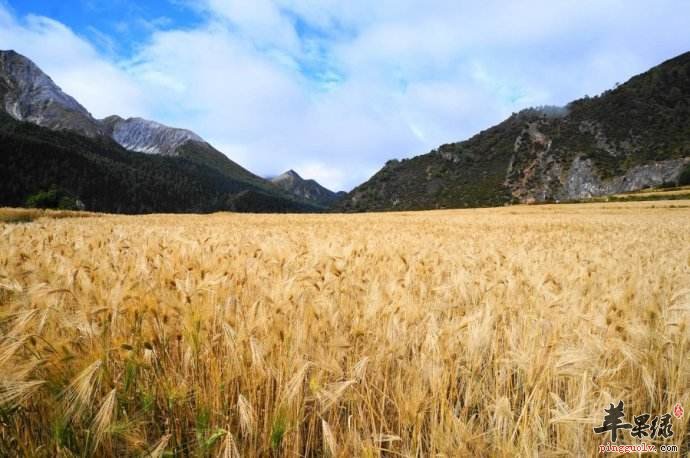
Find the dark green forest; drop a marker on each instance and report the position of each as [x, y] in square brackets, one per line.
[108, 178]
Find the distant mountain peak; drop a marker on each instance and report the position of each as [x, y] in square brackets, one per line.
[309, 190]
[290, 175]
[10, 53]
[28, 94]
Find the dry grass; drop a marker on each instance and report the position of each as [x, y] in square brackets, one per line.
[682, 190]
[497, 332]
[25, 215]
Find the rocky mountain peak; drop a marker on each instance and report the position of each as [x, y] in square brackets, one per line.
[28, 94]
[290, 176]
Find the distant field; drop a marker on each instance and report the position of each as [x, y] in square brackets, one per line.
[25, 215]
[679, 193]
[489, 332]
[683, 190]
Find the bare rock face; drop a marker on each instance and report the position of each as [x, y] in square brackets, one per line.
[144, 136]
[583, 182]
[28, 94]
[542, 175]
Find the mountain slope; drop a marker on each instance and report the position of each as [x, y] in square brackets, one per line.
[628, 138]
[108, 178]
[309, 190]
[28, 94]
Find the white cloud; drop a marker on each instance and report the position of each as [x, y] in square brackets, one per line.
[260, 21]
[322, 173]
[333, 89]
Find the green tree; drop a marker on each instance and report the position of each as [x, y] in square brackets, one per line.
[53, 198]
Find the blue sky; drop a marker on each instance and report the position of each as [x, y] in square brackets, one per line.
[113, 26]
[330, 88]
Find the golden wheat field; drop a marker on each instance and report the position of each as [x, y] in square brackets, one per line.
[489, 332]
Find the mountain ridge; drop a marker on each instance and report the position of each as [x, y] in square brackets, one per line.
[146, 136]
[151, 137]
[105, 177]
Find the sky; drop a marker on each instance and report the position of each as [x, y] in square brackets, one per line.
[330, 88]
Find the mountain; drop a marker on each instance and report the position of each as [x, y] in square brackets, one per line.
[308, 190]
[631, 137]
[105, 177]
[113, 146]
[144, 136]
[28, 94]
[150, 137]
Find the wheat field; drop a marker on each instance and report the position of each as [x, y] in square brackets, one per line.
[488, 332]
